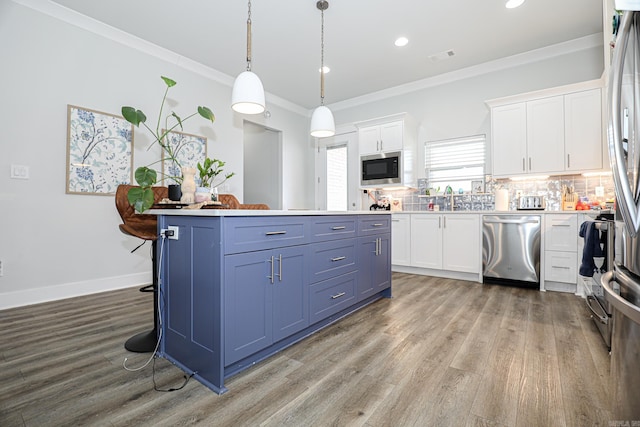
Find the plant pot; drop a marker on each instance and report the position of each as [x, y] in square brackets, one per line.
[203, 194]
[174, 192]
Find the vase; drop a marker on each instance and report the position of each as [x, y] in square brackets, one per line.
[203, 194]
[174, 192]
[188, 186]
[214, 194]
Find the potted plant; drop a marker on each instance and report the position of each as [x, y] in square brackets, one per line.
[141, 198]
[209, 171]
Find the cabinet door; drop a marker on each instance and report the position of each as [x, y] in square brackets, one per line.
[369, 140]
[583, 130]
[545, 135]
[290, 291]
[401, 239]
[461, 243]
[391, 136]
[374, 264]
[509, 139]
[426, 240]
[561, 232]
[248, 301]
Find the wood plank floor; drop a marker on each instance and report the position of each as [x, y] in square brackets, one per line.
[439, 353]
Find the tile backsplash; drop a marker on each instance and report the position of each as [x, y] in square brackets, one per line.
[588, 188]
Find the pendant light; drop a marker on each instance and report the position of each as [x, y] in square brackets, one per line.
[247, 96]
[322, 124]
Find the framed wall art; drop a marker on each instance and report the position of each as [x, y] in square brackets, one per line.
[189, 151]
[99, 151]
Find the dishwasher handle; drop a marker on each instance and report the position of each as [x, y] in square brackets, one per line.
[510, 221]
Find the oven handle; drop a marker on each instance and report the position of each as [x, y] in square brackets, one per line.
[604, 319]
[625, 307]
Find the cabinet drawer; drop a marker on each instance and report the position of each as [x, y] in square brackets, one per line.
[247, 234]
[560, 266]
[332, 259]
[374, 224]
[333, 227]
[331, 296]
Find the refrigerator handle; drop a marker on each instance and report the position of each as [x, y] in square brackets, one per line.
[622, 305]
[617, 158]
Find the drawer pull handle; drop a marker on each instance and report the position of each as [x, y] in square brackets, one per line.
[378, 225]
[561, 266]
[560, 225]
[336, 296]
[340, 227]
[273, 233]
[340, 258]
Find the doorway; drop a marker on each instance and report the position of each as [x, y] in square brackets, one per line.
[337, 173]
[262, 165]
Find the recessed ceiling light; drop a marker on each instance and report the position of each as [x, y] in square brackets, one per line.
[324, 69]
[401, 41]
[512, 4]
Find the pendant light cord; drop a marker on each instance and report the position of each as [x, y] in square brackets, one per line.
[249, 38]
[322, 55]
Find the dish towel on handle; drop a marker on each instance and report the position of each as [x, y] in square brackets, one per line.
[591, 236]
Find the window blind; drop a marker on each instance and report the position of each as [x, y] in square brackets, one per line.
[455, 162]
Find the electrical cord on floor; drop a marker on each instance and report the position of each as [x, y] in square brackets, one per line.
[155, 350]
[155, 386]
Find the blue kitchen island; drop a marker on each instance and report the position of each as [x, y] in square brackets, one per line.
[237, 286]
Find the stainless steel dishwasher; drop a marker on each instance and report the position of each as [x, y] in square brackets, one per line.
[511, 249]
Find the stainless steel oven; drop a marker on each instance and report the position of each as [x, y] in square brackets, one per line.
[381, 169]
[601, 310]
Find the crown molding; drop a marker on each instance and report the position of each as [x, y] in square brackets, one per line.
[99, 28]
[571, 46]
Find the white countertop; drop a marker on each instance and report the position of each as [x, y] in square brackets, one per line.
[516, 212]
[255, 212]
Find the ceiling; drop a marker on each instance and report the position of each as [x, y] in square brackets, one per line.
[359, 37]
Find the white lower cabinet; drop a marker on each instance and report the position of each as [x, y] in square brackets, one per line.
[401, 242]
[560, 248]
[446, 242]
[560, 266]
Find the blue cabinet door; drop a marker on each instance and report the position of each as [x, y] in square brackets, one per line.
[374, 264]
[248, 302]
[290, 292]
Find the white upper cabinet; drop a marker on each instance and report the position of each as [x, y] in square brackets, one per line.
[545, 135]
[509, 137]
[583, 130]
[381, 138]
[556, 131]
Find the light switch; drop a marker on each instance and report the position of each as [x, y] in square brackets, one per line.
[19, 172]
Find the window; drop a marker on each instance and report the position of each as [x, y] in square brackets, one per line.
[337, 178]
[455, 162]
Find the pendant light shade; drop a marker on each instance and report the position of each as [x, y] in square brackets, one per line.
[247, 96]
[322, 123]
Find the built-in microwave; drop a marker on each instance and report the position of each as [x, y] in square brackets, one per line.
[381, 169]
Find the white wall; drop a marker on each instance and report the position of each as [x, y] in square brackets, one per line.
[55, 245]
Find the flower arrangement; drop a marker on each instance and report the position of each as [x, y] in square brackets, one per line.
[141, 198]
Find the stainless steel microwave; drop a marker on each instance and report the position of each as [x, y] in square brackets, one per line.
[381, 169]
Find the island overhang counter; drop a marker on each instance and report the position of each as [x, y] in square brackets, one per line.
[237, 286]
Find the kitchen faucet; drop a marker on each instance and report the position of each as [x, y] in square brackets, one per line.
[449, 190]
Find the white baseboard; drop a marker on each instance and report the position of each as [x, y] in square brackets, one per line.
[70, 290]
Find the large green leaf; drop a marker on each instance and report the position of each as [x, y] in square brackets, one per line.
[140, 198]
[206, 113]
[168, 81]
[133, 116]
[146, 177]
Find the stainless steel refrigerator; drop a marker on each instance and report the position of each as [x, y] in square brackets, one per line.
[622, 285]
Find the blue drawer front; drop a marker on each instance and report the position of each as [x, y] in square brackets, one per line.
[254, 234]
[331, 296]
[374, 224]
[333, 227]
[332, 258]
